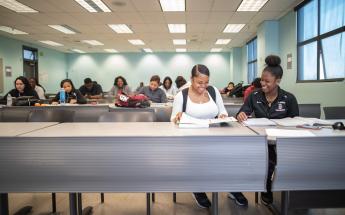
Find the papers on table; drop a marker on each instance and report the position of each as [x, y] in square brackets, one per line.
[288, 133]
[188, 121]
[299, 121]
[288, 122]
[258, 122]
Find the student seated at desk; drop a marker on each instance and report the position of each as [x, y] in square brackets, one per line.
[120, 86]
[202, 102]
[227, 90]
[91, 90]
[168, 87]
[72, 95]
[181, 83]
[37, 87]
[273, 103]
[256, 84]
[153, 92]
[22, 88]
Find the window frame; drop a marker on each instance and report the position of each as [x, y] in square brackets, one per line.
[256, 57]
[318, 38]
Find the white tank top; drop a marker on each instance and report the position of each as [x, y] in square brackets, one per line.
[208, 110]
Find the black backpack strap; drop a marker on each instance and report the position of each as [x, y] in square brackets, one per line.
[212, 93]
[185, 96]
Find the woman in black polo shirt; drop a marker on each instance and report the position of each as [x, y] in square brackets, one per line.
[273, 103]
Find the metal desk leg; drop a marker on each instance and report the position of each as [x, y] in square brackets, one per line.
[256, 197]
[214, 203]
[285, 203]
[153, 197]
[102, 198]
[73, 204]
[174, 197]
[148, 203]
[87, 210]
[4, 204]
[53, 202]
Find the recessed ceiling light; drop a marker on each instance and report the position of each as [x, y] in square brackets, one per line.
[64, 29]
[222, 41]
[92, 42]
[173, 5]
[11, 30]
[181, 50]
[216, 50]
[17, 6]
[148, 50]
[78, 51]
[51, 43]
[93, 6]
[111, 50]
[177, 28]
[136, 42]
[251, 5]
[233, 28]
[121, 28]
[180, 42]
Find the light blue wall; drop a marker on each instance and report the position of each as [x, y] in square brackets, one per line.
[236, 62]
[52, 65]
[137, 67]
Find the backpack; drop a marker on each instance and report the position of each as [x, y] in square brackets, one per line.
[210, 90]
[139, 100]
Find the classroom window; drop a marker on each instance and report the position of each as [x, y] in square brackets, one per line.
[321, 40]
[252, 60]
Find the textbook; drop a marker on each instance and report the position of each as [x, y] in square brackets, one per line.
[188, 121]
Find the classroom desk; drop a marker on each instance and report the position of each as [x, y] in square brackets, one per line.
[11, 129]
[134, 157]
[310, 170]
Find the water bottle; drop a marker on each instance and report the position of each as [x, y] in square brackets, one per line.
[62, 96]
[9, 100]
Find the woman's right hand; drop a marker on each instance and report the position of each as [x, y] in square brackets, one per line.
[178, 117]
[242, 116]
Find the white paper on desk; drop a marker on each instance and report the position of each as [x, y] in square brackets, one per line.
[258, 122]
[220, 120]
[296, 121]
[187, 121]
[272, 132]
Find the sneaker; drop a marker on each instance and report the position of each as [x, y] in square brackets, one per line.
[266, 198]
[201, 200]
[239, 198]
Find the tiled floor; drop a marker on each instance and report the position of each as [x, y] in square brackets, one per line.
[135, 204]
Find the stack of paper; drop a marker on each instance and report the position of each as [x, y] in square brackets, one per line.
[258, 122]
[288, 133]
[188, 121]
[298, 121]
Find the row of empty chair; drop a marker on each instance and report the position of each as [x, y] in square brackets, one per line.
[105, 113]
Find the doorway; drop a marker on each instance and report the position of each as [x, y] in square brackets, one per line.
[30, 62]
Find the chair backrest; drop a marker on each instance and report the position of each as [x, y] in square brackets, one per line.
[163, 114]
[15, 114]
[51, 115]
[310, 110]
[232, 109]
[122, 116]
[334, 112]
[89, 113]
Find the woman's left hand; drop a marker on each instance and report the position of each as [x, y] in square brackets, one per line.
[222, 116]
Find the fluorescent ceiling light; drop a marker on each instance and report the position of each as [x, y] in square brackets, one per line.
[177, 28]
[251, 5]
[181, 50]
[93, 6]
[11, 30]
[222, 41]
[173, 5]
[17, 6]
[78, 51]
[233, 28]
[180, 42]
[136, 42]
[111, 50]
[121, 29]
[148, 50]
[64, 29]
[51, 43]
[216, 50]
[92, 42]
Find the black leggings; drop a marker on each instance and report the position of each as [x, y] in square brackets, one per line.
[272, 162]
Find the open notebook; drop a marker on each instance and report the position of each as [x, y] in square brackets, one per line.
[288, 122]
[188, 121]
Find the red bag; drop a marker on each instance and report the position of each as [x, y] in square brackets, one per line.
[139, 100]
